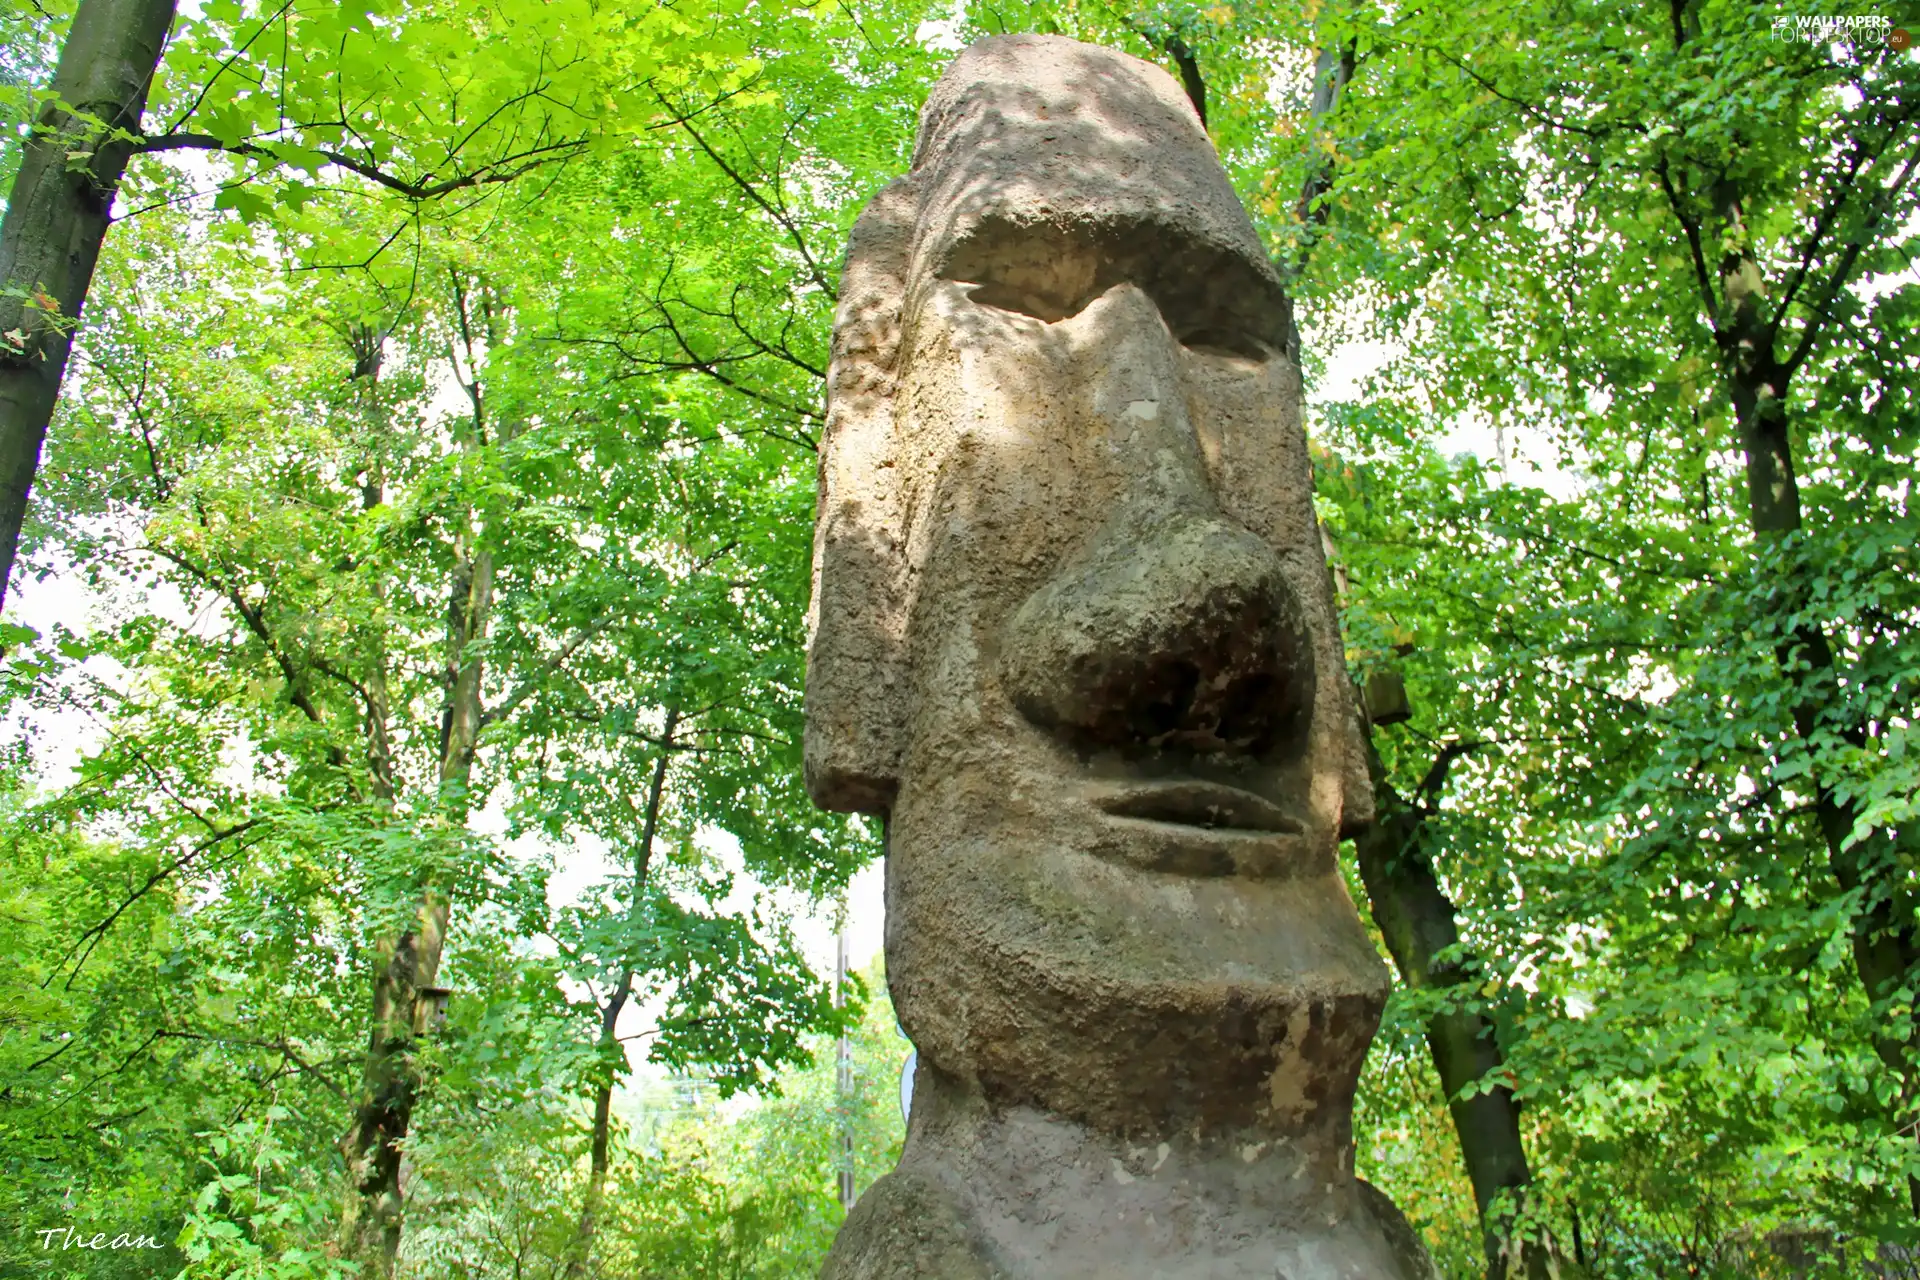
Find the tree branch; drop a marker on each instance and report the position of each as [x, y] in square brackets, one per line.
[1844, 268]
[98, 930]
[226, 63]
[281, 1047]
[1702, 276]
[1836, 201]
[779, 216]
[1437, 775]
[257, 624]
[505, 169]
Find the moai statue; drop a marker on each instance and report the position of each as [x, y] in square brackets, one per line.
[1074, 640]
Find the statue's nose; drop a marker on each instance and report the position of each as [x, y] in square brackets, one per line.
[1176, 626]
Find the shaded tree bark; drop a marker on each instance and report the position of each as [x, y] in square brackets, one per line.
[1190, 77]
[1170, 43]
[405, 967]
[1332, 72]
[56, 218]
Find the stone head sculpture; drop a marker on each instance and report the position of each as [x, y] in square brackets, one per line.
[1074, 638]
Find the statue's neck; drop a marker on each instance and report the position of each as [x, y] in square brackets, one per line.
[1022, 1169]
[1023, 1194]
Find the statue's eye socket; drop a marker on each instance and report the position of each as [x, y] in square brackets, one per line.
[1039, 304]
[1201, 328]
[1235, 344]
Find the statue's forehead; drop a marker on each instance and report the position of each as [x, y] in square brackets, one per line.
[1065, 139]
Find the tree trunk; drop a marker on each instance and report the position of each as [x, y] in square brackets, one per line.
[404, 967]
[1332, 72]
[407, 966]
[371, 1221]
[1418, 921]
[1190, 78]
[367, 344]
[56, 218]
[598, 1158]
[1885, 945]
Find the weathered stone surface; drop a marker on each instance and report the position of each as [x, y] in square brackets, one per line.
[1074, 636]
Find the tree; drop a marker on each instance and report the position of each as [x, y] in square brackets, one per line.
[380, 511]
[289, 95]
[1581, 267]
[411, 623]
[56, 218]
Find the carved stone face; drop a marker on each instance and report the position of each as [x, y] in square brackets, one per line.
[1074, 629]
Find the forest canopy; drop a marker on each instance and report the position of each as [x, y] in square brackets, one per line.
[404, 862]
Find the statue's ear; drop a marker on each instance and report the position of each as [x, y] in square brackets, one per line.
[856, 683]
[1356, 785]
[1356, 778]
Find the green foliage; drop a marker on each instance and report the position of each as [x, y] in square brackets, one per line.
[256, 1221]
[1668, 955]
[754, 1195]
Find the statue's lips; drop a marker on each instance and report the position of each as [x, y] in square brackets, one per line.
[1191, 803]
[1194, 828]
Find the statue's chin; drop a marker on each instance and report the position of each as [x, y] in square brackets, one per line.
[1131, 1008]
